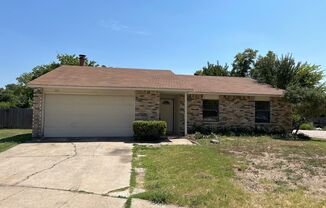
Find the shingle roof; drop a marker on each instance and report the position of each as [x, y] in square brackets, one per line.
[102, 77]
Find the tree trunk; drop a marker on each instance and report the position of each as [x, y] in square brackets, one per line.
[301, 121]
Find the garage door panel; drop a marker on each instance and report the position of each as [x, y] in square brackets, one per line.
[91, 116]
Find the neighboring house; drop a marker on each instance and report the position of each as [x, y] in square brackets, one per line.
[80, 101]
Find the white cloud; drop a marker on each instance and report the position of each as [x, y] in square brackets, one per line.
[116, 26]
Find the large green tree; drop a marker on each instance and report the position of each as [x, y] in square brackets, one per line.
[20, 95]
[285, 71]
[302, 82]
[243, 63]
[308, 103]
[265, 69]
[213, 70]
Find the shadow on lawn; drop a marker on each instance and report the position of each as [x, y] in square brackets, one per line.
[27, 138]
[21, 138]
[291, 137]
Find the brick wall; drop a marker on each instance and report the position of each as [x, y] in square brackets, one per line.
[195, 110]
[147, 105]
[238, 112]
[37, 130]
[281, 116]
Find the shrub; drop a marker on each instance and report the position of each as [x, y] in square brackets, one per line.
[307, 126]
[6, 105]
[149, 130]
[236, 131]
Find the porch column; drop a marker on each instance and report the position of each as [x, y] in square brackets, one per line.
[186, 114]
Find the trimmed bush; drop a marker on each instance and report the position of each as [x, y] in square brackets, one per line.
[307, 126]
[233, 131]
[149, 130]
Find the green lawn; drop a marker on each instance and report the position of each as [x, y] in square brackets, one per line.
[12, 137]
[238, 172]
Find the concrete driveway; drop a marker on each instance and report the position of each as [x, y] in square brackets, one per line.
[78, 174]
[314, 133]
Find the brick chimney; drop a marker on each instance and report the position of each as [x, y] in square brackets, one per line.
[82, 59]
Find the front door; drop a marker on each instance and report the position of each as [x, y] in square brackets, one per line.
[166, 113]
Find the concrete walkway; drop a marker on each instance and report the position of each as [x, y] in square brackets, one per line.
[314, 133]
[79, 174]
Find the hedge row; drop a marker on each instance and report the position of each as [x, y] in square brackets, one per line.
[149, 130]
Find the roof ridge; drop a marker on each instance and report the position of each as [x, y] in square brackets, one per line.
[189, 75]
[113, 77]
[111, 67]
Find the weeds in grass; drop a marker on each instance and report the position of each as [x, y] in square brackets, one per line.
[216, 175]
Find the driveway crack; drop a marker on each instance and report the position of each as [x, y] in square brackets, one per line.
[49, 168]
[14, 194]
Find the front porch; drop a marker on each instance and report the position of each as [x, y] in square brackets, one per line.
[166, 106]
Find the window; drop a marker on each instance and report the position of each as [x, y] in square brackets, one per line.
[262, 111]
[210, 110]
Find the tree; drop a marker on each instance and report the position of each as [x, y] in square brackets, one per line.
[213, 70]
[308, 103]
[283, 72]
[266, 68]
[308, 76]
[20, 95]
[286, 70]
[243, 63]
[63, 59]
[302, 84]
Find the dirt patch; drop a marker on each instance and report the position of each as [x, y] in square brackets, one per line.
[274, 171]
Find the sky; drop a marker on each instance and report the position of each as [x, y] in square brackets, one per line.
[181, 35]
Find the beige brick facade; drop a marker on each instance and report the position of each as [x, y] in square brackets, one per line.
[147, 105]
[237, 112]
[281, 116]
[37, 130]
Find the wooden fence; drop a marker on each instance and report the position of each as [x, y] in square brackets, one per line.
[16, 118]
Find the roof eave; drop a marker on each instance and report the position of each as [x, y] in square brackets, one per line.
[109, 88]
[240, 94]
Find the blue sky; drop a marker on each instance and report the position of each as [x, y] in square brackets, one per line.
[181, 35]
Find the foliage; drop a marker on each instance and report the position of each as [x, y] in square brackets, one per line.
[265, 68]
[6, 105]
[213, 70]
[149, 130]
[302, 83]
[308, 76]
[20, 95]
[243, 63]
[284, 72]
[308, 103]
[307, 126]
[236, 131]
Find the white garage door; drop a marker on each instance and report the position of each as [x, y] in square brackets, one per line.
[88, 116]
